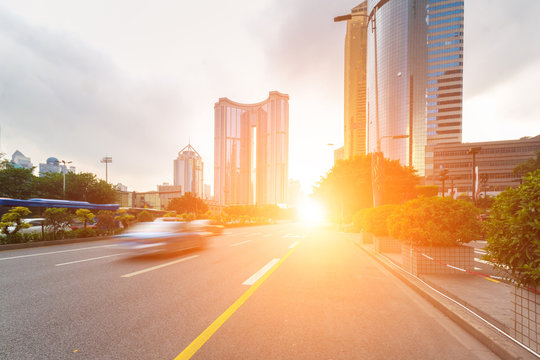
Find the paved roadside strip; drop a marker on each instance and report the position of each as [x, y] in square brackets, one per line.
[51, 243]
[485, 332]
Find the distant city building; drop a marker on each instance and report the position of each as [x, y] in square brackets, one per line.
[120, 187]
[168, 192]
[251, 151]
[188, 171]
[52, 165]
[207, 192]
[496, 161]
[396, 79]
[355, 81]
[19, 160]
[295, 195]
[339, 154]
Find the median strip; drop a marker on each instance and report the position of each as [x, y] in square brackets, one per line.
[196, 344]
[158, 266]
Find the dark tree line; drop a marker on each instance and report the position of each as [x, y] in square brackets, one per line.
[19, 183]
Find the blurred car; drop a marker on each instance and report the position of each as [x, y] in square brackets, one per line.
[160, 236]
[77, 224]
[207, 227]
[168, 218]
[35, 226]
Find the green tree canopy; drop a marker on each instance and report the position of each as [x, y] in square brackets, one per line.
[188, 203]
[105, 220]
[347, 187]
[528, 166]
[17, 183]
[125, 218]
[513, 231]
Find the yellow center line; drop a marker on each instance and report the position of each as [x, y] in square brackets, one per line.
[196, 344]
[490, 279]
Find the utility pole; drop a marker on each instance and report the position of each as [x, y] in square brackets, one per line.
[106, 160]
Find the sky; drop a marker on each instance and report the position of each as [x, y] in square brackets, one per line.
[137, 80]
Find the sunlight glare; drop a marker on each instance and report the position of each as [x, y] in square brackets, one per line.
[312, 212]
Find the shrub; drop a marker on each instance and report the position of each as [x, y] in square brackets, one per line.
[375, 220]
[105, 222]
[57, 219]
[426, 190]
[84, 233]
[513, 231]
[13, 219]
[435, 221]
[144, 216]
[124, 218]
[84, 216]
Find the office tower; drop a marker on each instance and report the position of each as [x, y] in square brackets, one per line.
[188, 171]
[397, 79]
[445, 71]
[53, 165]
[251, 151]
[355, 81]
[19, 160]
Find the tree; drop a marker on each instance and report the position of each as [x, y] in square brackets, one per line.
[513, 231]
[57, 219]
[13, 218]
[105, 220]
[528, 166]
[17, 183]
[124, 218]
[145, 216]
[188, 203]
[84, 216]
[347, 187]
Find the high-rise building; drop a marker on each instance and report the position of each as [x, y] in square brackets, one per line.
[188, 171]
[19, 160]
[355, 81]
[396, 80]
[251, 151]
[53, 165]
[445, 71]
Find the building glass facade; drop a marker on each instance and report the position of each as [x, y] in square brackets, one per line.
[251, 146]
[396, 80]
[355, 82]
[445, 72]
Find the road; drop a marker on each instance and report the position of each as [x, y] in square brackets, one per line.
[271, 292]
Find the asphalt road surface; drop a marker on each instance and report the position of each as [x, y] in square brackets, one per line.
[270, 292]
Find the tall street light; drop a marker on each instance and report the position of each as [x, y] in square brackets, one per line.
[106, 160]
[474, 151]
[64, 167]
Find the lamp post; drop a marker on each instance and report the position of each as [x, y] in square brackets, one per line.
[106, 160]
[443, 176]
[474, 151]
[64, 167]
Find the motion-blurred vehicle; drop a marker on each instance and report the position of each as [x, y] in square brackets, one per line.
[35, 226]
[168, 218]
[209, 227]
[77, 224]
[161, 236]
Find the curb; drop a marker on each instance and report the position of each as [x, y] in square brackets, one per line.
[50, 243]
[499, 344]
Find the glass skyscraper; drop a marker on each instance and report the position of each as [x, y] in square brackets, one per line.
[251, 151]
[414, 77]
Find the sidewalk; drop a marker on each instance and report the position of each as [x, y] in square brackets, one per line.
[492, 301]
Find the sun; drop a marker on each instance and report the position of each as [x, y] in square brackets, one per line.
[311, 212]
